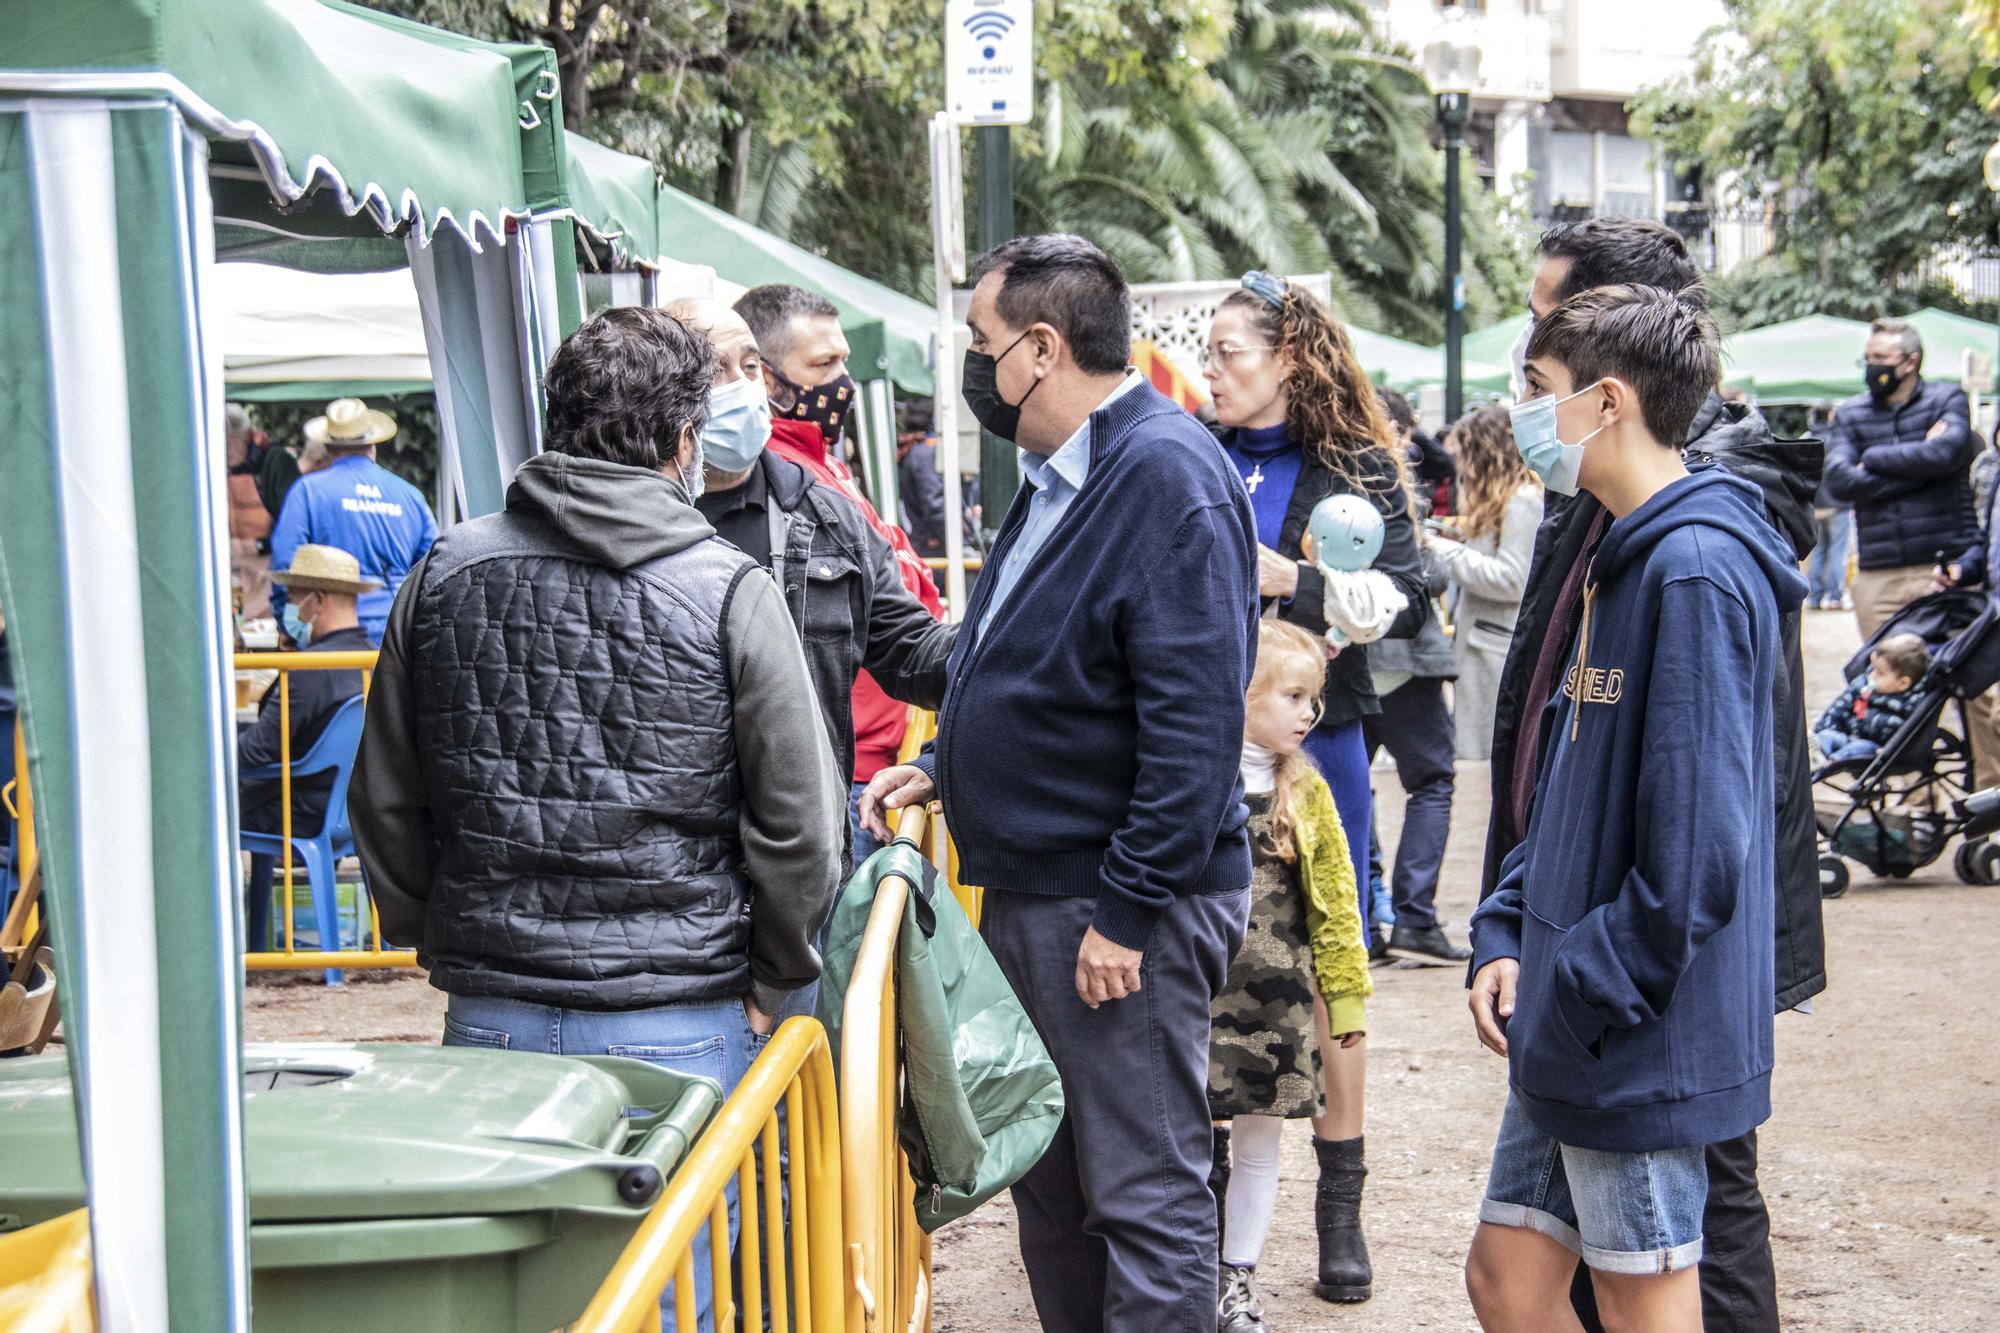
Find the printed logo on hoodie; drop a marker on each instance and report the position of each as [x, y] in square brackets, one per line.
[1599, 686]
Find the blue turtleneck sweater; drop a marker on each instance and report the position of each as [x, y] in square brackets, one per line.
[1269, 464]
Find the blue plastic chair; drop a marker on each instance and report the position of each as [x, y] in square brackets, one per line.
[332, 753]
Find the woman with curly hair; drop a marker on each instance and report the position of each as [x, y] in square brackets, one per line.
[1485, 552]
[1301, 422]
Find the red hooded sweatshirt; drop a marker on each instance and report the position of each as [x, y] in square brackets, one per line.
[879, 721]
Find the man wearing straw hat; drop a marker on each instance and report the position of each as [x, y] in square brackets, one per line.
[323, 583]
[359, 506]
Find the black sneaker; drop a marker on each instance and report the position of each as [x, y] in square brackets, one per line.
[1428, 945]
[1378, 946]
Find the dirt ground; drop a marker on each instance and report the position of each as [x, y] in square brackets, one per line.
[1881, 1164]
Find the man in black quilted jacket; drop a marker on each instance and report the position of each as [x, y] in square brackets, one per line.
[593, 788]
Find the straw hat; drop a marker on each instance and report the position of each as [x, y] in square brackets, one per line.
[350, 423]
[324, 569]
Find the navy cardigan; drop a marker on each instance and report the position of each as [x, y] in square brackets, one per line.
[1090, 740]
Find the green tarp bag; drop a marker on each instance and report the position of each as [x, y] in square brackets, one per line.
[981, 1098]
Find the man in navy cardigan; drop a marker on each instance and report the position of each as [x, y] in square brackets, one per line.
[1087, 758]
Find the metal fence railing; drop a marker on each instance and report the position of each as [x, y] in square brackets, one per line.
[853, 1230]
[373, 951]
[795, 1278]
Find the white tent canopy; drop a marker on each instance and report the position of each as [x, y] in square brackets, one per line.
[288, 334]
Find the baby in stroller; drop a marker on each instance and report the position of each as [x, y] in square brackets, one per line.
[1876, 702]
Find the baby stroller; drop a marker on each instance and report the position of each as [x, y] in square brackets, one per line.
[1896, 811]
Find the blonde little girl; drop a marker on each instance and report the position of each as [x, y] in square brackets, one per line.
[1305, 944]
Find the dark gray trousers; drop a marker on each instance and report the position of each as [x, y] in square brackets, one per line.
[1117, 1223]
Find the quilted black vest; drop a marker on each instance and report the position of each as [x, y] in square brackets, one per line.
[579, 751]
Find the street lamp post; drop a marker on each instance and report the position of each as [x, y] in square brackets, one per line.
[1451, 61]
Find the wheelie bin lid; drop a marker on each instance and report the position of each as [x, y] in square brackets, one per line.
[353, 1131]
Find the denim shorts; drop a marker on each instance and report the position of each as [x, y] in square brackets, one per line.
[1620, 1212]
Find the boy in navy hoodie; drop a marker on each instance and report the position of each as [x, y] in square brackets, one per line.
[1624, 966]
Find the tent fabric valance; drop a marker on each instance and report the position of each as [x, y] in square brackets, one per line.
[371, 128]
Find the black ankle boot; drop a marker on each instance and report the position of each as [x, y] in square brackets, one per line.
[1345, 1276]
[1218, 1179]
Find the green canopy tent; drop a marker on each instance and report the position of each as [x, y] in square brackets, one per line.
[1950, 340]
[1806, 360]
[1408, 366]
[891, 334]
[1494, 344]
[142, 139]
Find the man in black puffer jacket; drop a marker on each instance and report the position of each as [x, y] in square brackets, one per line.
[593, 788]
[1901, 454]
[1738, 1281]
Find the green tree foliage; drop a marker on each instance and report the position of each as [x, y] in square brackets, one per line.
[1855, 126]
[1189, 138]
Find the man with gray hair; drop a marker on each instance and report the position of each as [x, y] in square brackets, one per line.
[1900, 453]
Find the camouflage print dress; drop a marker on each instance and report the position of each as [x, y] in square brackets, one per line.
[1263, 1057]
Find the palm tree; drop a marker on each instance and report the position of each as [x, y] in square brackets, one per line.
[1307, 149]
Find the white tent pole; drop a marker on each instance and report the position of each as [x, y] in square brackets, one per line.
[948, 247]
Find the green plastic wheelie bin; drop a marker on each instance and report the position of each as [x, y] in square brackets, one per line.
[412, 1188]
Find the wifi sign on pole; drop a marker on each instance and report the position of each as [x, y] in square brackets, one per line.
[989, 55]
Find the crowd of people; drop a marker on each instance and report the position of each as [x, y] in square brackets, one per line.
[628, 738]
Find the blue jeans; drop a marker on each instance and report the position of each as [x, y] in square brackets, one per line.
[865, 845]
[1839, 747]
[1341, 755]
[1620, 1212]
[709, 1040]
[1826, 572]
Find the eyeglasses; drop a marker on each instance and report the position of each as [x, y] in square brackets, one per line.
[1223, 354]
[1865, 364]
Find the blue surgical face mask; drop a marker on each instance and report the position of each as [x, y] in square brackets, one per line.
[739, 425]
[1556, 463]
[301, 633]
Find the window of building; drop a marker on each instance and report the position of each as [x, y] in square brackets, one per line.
[1628, 175]
[1569, 175]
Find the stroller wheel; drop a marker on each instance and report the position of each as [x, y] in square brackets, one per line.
[1977, 863]
[1833, 877]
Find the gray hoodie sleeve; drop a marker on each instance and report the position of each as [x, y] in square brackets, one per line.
[794, 803]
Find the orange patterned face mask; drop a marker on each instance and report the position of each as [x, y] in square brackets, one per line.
[826, 405]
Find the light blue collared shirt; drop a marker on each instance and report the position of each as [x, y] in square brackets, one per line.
[1057, 479]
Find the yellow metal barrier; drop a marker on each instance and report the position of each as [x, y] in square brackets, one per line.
[290, 956]
[802, 1273]
[45, 1277]
[888, 1254]
[23, 916]
[940, 564]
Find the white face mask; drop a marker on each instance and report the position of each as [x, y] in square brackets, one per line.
[1556, 463]
[739, 425]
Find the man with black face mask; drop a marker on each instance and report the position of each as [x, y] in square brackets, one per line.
[1087, 757]
[1900, 453]
[804, 366]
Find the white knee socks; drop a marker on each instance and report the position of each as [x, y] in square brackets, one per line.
[1253, 1187]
